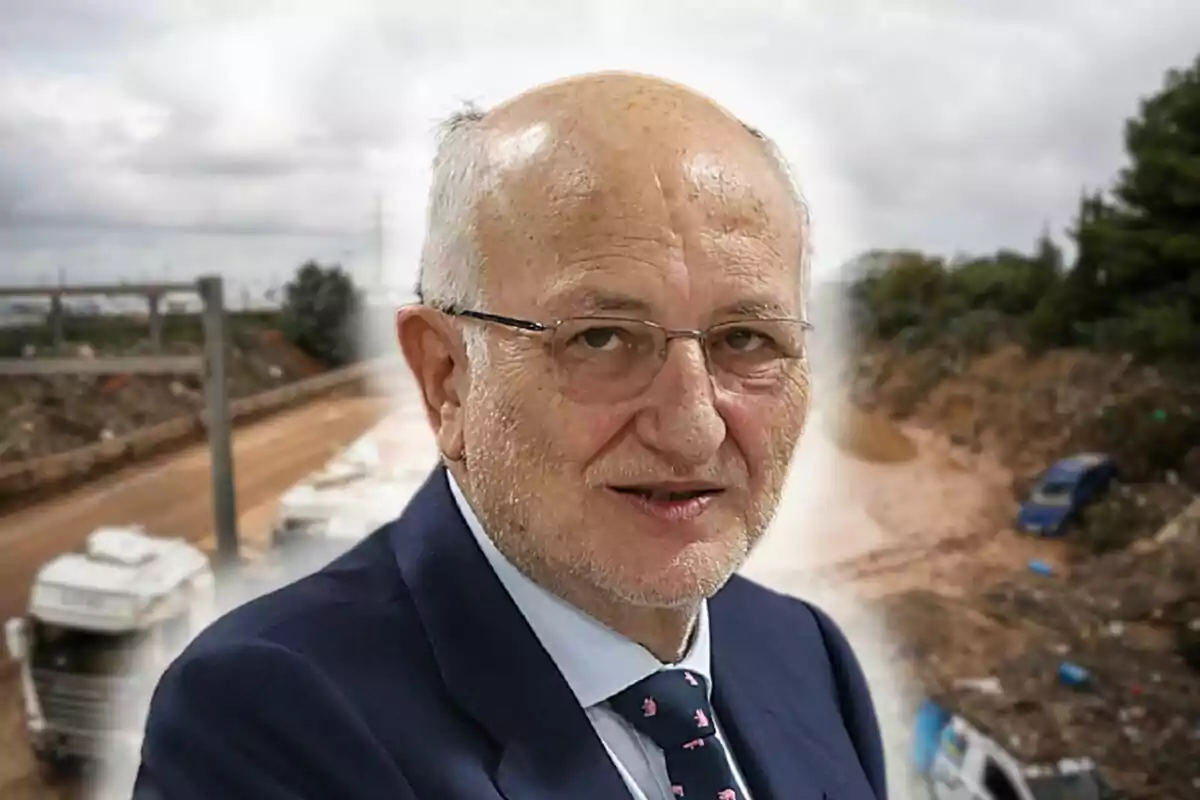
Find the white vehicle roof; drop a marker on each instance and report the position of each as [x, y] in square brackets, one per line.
[121, 576]
[368, 495]
[399, 445]
[371, 480]
[1082, 461]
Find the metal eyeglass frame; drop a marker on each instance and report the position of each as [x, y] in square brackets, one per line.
[544, 327]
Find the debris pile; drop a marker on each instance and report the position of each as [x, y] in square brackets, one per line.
[1091, 663]
[44, 415]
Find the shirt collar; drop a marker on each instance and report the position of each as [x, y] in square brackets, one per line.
[596, 661]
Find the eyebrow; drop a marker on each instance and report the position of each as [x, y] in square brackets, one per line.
[591, 300]
[599, 300]
[765, 309]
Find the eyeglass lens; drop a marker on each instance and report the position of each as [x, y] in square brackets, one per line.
[604, 359]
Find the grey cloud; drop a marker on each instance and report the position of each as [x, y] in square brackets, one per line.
[91, 254]
[947, 125]
[68, 30]
[957, 131]
[184, 152]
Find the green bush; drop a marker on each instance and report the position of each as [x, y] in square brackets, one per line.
[978, 331]
[1115, 522]
[1154, 331]
[1146, 435]
[321, 314]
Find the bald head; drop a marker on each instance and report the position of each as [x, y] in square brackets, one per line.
[553, 164]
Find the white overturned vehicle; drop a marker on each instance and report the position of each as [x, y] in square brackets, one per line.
[129, 602]
[957, 761]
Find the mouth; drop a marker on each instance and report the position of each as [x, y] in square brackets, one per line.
[670, 502]
[669, 493]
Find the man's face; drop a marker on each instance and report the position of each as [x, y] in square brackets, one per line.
[681, 237]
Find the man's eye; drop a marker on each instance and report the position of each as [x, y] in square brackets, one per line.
[744, 340]
[603, 339]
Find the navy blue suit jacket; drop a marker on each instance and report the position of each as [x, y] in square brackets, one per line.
[404, 670]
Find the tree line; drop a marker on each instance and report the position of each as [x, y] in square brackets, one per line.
[1134, 282]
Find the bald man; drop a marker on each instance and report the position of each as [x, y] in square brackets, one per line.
[611, 352]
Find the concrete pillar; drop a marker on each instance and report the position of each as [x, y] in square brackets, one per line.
[212, 292]
[57, 323]
[156, 322]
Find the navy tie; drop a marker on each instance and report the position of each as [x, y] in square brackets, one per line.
[671, 707]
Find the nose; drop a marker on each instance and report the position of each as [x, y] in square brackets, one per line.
[680, 420]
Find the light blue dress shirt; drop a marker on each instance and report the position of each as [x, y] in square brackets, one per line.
[597, 662]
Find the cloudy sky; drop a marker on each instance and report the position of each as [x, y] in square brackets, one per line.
[165, 138]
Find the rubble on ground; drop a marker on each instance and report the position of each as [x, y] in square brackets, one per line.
[1125, 619]
[43, 415]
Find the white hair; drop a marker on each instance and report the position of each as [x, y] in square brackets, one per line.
[452, 261]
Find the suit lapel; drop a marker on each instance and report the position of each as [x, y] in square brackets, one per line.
[491, 661]
[762, 708]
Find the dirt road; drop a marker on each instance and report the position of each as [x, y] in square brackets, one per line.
[908, 509]
[171, 496]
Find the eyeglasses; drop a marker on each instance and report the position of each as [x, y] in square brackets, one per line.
[602, 359]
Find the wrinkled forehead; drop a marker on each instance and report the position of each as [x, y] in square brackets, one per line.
[685, 203]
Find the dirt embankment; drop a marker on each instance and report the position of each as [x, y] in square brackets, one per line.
[48, 415]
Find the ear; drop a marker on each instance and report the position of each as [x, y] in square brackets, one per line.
[435, 355]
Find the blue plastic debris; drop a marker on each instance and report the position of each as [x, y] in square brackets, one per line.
[1073, 674]
[1040, 567]
[931, 719]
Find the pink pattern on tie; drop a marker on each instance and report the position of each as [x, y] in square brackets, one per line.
[701, 718]
[690, 678]
[727, 794]
[677, 790]
[693, 744]
[649, 707]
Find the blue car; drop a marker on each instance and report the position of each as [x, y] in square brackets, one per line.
[1062, 491]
